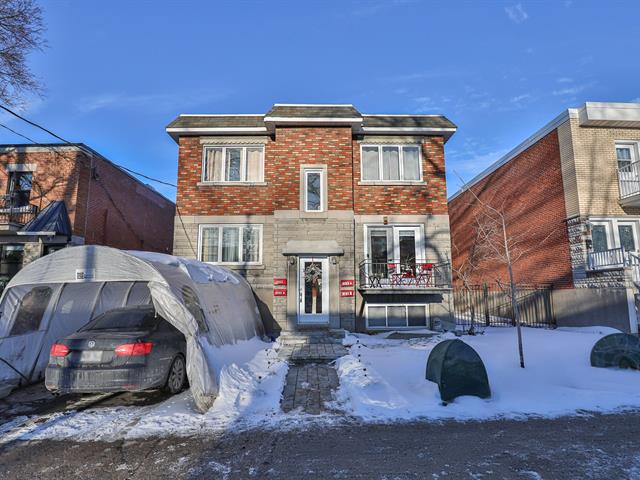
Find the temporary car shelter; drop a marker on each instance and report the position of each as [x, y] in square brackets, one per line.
[58, 294]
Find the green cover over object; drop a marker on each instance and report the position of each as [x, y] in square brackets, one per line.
[619, 350]
[458, 370]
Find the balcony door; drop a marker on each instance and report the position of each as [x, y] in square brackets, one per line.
[393, 248]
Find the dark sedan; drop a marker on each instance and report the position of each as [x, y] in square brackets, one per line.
[126, 349]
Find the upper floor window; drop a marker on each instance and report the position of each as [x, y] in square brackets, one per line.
[626, 154]
[231, 244]
[19, 188]
[314, 190]
[233, 164]
[391, 163]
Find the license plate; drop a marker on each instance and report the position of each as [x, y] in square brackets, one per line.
[91, 356]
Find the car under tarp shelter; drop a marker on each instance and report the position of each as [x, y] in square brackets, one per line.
[58, 294]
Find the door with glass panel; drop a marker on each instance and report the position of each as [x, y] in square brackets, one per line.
[407, 247]
[627, 238]
[313, 294]
[393, 250]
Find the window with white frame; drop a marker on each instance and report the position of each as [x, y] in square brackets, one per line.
[396, 316]
[230, 244]
[391, 163]
[626, 154]
[313, 190]
[233, 164]
[615, 233]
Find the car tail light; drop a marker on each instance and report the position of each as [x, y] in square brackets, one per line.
[59, 350]
[131, 349]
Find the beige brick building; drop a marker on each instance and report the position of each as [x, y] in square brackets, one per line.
[589, 159]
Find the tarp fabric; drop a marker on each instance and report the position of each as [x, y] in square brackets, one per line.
[58, 294]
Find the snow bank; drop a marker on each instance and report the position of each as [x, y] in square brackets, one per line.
[383, 380]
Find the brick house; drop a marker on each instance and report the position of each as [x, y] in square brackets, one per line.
[337, 219]
[58, 195]
[574, 188]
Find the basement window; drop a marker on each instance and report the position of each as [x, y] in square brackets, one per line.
[396, 316]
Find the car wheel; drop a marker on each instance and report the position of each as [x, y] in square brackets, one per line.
[177, 376]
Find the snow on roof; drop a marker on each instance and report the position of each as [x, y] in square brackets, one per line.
[199, 272]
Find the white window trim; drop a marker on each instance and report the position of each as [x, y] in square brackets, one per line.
[611, 229]
[243, 163]
[634, 146]
[406, 315]
[380, 146]
[420, 239]
[320, 171]
[219, 226]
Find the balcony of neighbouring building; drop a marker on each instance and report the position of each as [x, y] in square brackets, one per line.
[629, 182]
[404, 277]
[14, 213]
[611, 259]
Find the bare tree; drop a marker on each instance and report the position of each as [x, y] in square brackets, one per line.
[495, 242]
[21, 32]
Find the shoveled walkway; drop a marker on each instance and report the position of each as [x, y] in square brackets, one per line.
[312, 377]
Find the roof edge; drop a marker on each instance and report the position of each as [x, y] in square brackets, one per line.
[518, 149]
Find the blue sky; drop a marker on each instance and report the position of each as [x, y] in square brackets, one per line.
[116, 73]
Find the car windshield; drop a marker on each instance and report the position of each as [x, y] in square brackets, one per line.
[124, 320]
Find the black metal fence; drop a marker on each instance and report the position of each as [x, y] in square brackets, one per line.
[479, 306]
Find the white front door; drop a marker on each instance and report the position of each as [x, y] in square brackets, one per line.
[313, 295]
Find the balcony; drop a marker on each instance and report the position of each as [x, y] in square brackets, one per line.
[615, 258]
[13, 214]
[629, 182]
[409, 277]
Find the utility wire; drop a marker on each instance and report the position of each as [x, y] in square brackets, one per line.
[34, 124]
[91, 154]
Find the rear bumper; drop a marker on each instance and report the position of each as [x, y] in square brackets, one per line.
[92, 380]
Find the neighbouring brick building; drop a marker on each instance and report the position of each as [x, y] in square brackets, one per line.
[336, 218]
[58, 195]
[573, 188]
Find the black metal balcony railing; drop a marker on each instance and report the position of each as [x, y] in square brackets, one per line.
[407, 275]
[15, 212]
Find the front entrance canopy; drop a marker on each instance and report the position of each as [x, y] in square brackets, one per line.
[59, 293]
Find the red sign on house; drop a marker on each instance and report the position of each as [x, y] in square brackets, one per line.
[346, 293]
[279, 281]
[279, 292]
[347, 283]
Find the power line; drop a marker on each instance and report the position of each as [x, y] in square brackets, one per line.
[16, 133]
[34, 124]
[90, 153]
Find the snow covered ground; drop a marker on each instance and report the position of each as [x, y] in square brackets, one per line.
[384, 380]
[381, 380]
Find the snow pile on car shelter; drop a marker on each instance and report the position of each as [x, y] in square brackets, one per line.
[58, 294]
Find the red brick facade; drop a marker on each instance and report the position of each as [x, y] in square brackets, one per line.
[292, 147]
[529, 189]
[428, 198]
[106, 206]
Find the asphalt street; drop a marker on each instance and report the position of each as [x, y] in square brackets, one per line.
[583, 447]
